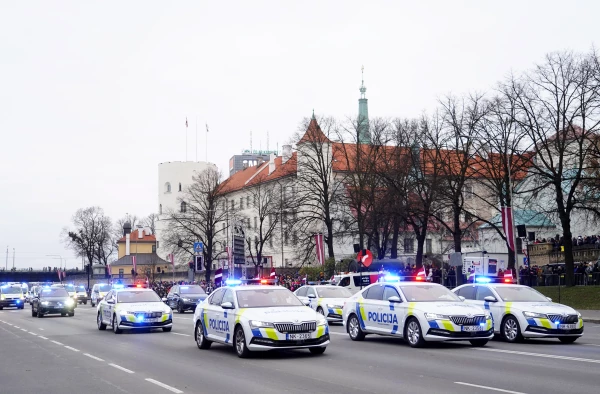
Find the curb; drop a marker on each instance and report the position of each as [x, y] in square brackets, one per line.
[586, 320]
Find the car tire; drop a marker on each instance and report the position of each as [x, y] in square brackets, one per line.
[92, 304]
[63, 314]
[115, 325]
[321, 311]
[1, 307]
[85, 302]
[511, 330]
[317, 350]
[180, 308]
[32, 312]
[71, 314]
[478, 342]
[240, 346]
[356, 333]
[413, 333]
[101, 326]
[167, 329]
[201, 340]
[22, 306]
[39, 314]
[567, 339]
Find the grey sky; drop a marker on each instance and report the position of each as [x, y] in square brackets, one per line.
[93, 95]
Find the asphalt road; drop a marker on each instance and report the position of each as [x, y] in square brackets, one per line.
[69, 355]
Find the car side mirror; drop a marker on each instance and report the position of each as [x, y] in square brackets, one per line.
[227, 305]
[549, 299]
[394, 299]
[312, 296]
[164, 300]
[462, 298]
[110, 302]
[306, 302]
[175, 295]
[490, 299]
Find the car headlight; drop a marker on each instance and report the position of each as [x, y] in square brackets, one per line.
[322, 322]
[186, 299]
[124, 312]
[69, 302]
[168, 311]
[578, 315]
[487, 315]
[260, 324]
[332, 306]
[535, 314]
[435, 316]
[45, 302]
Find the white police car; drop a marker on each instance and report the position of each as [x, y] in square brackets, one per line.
[126, 308]
[521, 312]
[259, 318]
[328, 300]
[416, 311]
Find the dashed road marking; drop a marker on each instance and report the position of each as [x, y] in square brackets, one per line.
[22, 329]
[39, 336]
[58, 343]
[183, 335]
[121, 368]
[33, 333]
[336, 333]
[164, 386]
[41, 329]
[93, 357]
[71, 348]
[585, 360]
[489, 388]
[17, 327]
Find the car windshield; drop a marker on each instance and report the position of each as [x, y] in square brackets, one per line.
[192, 290]
[70, 287]
[428, 293]
[81, 288]
[54, 292]
[137, 296]
[262, 298]
[11, 290]
[333, 292]
[519, 294]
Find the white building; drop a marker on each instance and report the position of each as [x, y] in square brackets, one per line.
[173, 178]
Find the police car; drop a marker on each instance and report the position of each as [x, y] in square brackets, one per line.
[416, 311]
[99, 291]
[328, 300]
[521, 312]
[12, 296]
[259, 318]
[127, 308]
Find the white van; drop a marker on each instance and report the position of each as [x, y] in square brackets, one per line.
[352, 280]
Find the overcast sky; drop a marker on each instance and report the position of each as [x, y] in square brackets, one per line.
[93, 95]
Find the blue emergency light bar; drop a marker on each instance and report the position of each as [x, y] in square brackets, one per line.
[233, 282]
[482, 279]
[391, 278]
[118, 286]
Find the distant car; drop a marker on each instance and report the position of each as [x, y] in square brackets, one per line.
[521, 312]
[259, 318]
[328, 300]
[99, 291]
[82, 295]
[12, 296]
[185, 297]
[133, 308]
[34, 292]
[53, 300]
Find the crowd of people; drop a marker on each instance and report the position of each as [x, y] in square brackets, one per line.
[553, 274]
[558, 242]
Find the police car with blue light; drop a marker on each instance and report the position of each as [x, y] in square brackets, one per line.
[12, 296]
[417, 312]
[131, 308]
[521, 312]
[328, 300]
[258, 318]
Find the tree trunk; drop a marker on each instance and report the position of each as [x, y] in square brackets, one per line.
[457, 233]
[420, 244]
[329, 239]
[396, 233]
[568, 244]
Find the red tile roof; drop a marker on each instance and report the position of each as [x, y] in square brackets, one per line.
[134, 237]
[313, 133]
[257, 174]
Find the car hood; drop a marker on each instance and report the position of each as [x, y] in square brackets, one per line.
[334, 301]
[449, 308]
[143, 306]
[282, 314]
[195, 296]
[543, 307]
[55, 299]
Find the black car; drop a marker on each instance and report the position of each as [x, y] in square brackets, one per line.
[185, 297]
[53, 300]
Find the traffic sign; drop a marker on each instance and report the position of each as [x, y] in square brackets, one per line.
[198, 247]
[365, 259]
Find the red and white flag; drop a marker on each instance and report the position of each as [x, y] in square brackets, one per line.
[273, 273]
[218, 276]
[319, 249]
[172, 259]
[59, 275]
[507, 226]
[134, 263]
[422, 275]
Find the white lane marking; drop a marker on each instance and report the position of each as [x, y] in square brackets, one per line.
[585, 360]
[42, 337]
[183, 335]
[22, 329]
[17, 327]
[9, 324]
[182, 318]
[121, 368]
[164, 386]
[94, 357]
[336, 333]
[58, 343]
[489, 388]
[590, 344]
[41, 329]
[33, 333]
[71, 348]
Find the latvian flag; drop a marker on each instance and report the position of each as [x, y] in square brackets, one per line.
[273, 273]
[422, 275]
[218, 277]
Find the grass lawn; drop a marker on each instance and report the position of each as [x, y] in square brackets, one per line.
[579, 297]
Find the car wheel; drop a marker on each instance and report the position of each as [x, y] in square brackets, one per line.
[85, 302]
[511, 331]
[115, 325]
[167, 329]
[22, 306]
[39, 314]
[413, 333]
[317, 350]
[478, 342]
[180, 308]
[101, 326]
[201, 340]
[240, 343]
[32, 312]
[71, 314]
[567, 339]
[1, 307]
[356, 333]
[92, 304]
[63, 314]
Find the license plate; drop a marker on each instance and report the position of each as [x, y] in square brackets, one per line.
[567, 326]
[472, 328]
[150, 320]
[295, 337]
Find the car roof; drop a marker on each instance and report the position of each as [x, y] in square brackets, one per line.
[411, 283]
[133, 289]
[257, 287]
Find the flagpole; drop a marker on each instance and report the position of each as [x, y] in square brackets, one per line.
[206, 145]
[196, 137]
[186, 139]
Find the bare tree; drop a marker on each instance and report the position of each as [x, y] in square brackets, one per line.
[90, 236]
[150, 222]
[202, 216]
[557, 105]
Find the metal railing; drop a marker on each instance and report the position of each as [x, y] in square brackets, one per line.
[592, 279]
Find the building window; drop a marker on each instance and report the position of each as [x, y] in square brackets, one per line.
[183, 207]
[295, 238]
[271, 241]
[409, 245]
[247, 201]
[160, 209]
[153, 248]
[241, 202]
[468, 192]
[428, 246]
[519, 244]
[167, 187]
[232, 205]
[121, 272]
[255, 223]
[285, 238]
[255, 201]
[179, 186]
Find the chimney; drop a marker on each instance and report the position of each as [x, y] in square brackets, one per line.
[271, 163]
[140, 232]
[127, 243]
[287, 153]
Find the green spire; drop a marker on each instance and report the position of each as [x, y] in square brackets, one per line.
[313, 116]
[364, 136]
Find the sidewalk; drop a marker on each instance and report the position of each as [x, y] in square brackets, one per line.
[590, 316]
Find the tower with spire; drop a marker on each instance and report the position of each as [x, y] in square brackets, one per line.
[364, 135]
